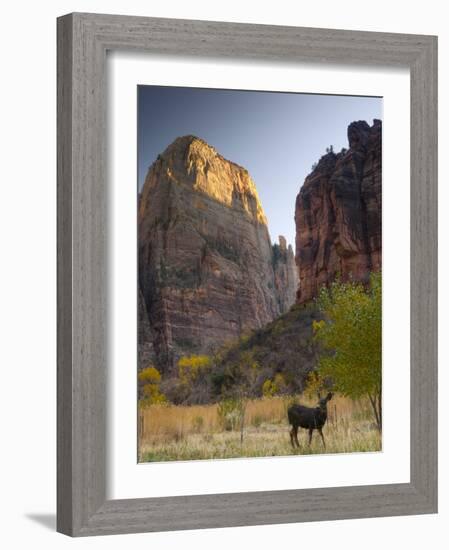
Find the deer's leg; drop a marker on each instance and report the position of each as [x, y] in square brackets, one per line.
[310, 436]
[322, 436]
[296, 437]
[292, 437]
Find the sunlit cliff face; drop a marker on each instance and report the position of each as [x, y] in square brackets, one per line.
[207, 268]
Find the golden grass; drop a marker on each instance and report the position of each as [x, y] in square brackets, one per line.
[169, 432]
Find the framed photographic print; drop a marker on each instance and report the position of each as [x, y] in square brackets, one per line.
[246, 274]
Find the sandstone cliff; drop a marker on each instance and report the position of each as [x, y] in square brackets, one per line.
[285, 274]
[206, 263]
[338, 213]
[145, 338]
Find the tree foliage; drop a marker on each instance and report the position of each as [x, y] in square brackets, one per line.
[274, 386]
[149, 380]
[149, 375]
[351, 336]
[315, 383]
[191, 367]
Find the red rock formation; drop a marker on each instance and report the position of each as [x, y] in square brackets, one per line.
[145, 338]
[338, 213]
[285, 274]
[206, 268]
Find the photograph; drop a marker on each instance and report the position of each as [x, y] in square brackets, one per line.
[259, 227]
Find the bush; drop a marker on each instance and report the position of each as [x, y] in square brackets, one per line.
[149, 375]
[198, 423]
[149, 380]
[230, 413]
[257, 421]
[314, 384]
[191, 367]
[274, 387]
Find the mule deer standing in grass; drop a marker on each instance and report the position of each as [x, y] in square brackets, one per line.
[310, 418]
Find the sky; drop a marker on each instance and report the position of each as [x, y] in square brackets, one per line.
[276, 136]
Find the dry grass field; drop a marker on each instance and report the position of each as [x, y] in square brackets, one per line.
[169, 432]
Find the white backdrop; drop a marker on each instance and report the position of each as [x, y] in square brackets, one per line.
[27, 219]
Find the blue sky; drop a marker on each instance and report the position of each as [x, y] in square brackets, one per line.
[276, 136]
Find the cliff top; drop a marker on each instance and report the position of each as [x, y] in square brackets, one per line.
[184, 143]
[359, 133]
[189, 160]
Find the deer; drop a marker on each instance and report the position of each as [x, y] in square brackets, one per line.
[310, 418]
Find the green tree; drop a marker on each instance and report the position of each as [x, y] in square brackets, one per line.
[351, 335]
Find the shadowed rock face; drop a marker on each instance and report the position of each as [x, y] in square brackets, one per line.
[339, 214]
[206, 263]
[285, 274]
[145, 338]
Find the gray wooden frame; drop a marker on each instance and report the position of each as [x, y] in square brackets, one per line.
[83, 40]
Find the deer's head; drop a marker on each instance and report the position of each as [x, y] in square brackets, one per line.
[322, 401]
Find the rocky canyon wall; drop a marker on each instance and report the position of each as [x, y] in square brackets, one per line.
[338, 213]
[207, 268]
[285, 274]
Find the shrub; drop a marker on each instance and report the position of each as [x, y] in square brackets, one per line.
[190, 367]
[149, 375]
[275, 386]
[198, 423]
[230, 413]
[149, 380]
[314, 384]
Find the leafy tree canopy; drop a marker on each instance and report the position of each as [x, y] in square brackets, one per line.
[351, 336]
